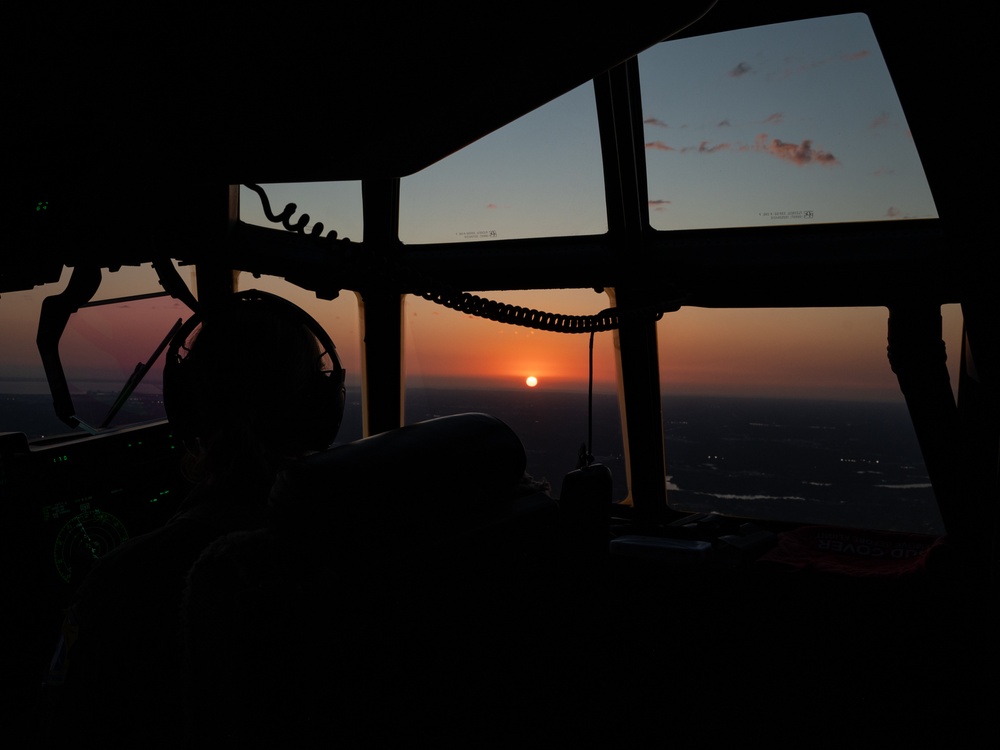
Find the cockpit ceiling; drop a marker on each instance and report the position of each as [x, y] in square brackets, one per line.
[325, 95]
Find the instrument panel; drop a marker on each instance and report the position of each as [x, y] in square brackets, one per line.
[87, 494]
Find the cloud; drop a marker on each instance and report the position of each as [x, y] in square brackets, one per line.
[860, 54]
[879, 121]
[655, 121]
[893, 213]
[659, 205]
[491, 205]
[797, 153]
[775, 119]
[741, 69]
[724, 124]
[704, 148]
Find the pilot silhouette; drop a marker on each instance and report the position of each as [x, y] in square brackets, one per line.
[249, 386]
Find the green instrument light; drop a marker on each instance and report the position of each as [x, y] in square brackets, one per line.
[160, 495]
[88, 535]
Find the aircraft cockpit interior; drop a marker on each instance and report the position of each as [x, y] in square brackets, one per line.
[663, 341]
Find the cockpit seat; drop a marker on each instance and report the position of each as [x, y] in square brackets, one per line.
[456, 475]
[396, 571]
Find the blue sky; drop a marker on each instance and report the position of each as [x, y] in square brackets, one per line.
[790, 122]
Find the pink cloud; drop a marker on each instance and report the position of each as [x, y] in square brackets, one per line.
[776, 118]
[704, 148]
[879, 121]
[655, 121]
[797, 153]
[491, 205]
[855, 55]
[659, 205]
[741, 69]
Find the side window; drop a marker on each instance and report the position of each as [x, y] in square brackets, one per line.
[104, 343]
[25, 403]
[793, 415]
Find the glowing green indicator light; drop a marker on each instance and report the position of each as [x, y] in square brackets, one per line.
[42, 206]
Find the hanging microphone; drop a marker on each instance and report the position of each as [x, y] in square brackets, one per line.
[587, 491]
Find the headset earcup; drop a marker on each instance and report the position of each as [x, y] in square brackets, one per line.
[319, 411]
[326, 410]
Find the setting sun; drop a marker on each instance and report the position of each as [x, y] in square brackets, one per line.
[531, 381]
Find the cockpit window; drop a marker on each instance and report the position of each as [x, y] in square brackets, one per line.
[540, 176]
[793, 415]
[107, 343]
[335, 205]
[104, 344]
[792, 123]
[25, 402]
[536, 381]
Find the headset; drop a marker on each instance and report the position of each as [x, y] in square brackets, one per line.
[313, 413]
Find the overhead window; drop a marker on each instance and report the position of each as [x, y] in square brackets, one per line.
[540, 176]
[335, 205]
[792, 123]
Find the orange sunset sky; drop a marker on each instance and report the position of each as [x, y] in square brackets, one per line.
[809, 353]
